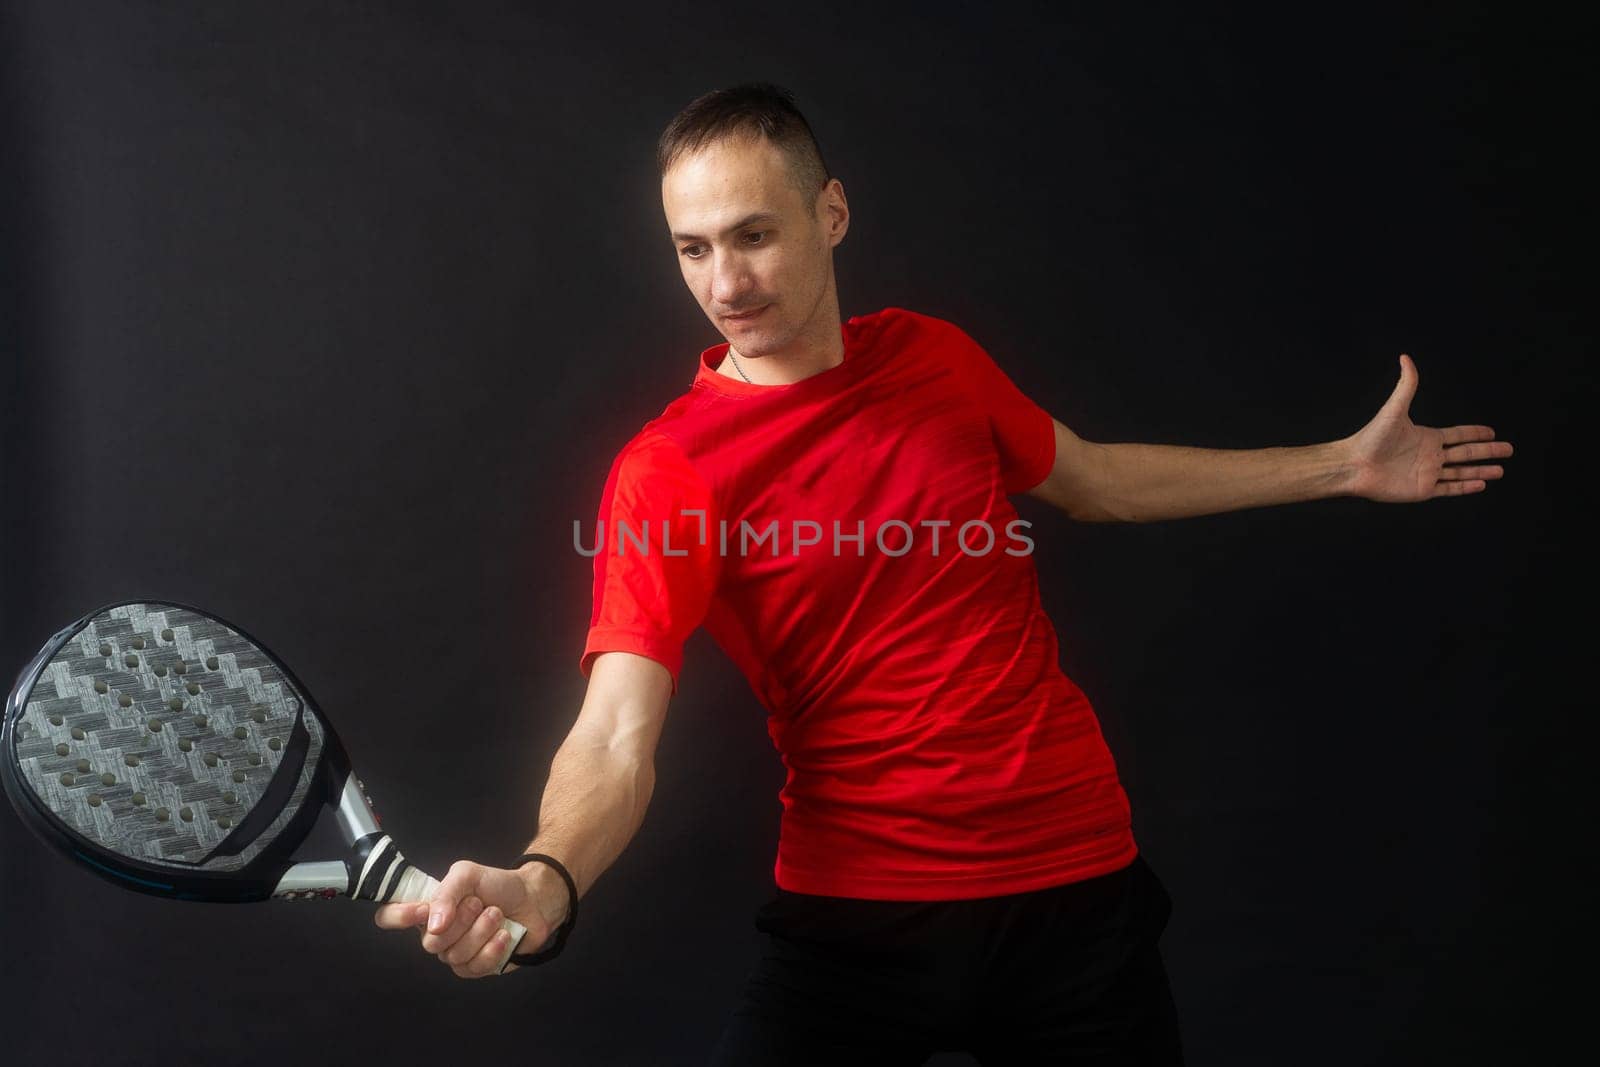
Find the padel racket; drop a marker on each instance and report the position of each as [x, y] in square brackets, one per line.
[170, 753]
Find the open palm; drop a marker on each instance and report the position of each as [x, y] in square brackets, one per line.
[1399, 462]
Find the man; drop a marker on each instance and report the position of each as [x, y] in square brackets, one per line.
[956, 867]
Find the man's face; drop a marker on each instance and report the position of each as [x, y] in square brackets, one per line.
[746, 242]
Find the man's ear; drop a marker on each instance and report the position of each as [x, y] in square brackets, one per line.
[838, 210]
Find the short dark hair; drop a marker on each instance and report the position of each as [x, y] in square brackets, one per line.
[751, 109]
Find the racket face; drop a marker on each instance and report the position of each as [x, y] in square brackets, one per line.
[169, 751]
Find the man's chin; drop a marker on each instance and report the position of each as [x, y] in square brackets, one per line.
[751, 344]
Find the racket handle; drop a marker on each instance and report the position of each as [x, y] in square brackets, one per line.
[415, 887]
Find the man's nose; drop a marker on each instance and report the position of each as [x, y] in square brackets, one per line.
[730, 280]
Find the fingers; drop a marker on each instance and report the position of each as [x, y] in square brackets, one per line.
[495, 950]
[1470, 473]
[480, 948]
[461, 946]
[1490, 450]
[400, 916]
[459, 925]
[1454, 435]
[445, 922]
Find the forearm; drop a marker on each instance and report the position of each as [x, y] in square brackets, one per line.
[1146, 483]
[593, 804]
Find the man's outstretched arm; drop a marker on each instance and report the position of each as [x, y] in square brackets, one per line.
[1390, 459]
[595, 800]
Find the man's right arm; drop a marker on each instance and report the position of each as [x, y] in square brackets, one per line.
[601, 778]
[600, 784]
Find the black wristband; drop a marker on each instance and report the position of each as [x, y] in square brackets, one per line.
[552, 948]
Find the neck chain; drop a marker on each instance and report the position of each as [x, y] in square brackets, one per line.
[738, 368]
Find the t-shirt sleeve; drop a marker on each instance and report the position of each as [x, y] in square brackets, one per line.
[1024, 433]
[654, 567]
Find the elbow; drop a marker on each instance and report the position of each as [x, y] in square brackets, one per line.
[636, 766]
[1099, 515]
[641, 778]
[1081, 506]
[1107, 511]
[630, 775]
[644, 776]
[622, 757]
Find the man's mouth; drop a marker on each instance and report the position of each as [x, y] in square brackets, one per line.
[746, 315]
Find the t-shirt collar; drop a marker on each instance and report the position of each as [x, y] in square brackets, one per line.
[850, 332]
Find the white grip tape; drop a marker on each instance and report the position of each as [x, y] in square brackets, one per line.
[416, 887]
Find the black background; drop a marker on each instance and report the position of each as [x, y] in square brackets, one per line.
[329, 318]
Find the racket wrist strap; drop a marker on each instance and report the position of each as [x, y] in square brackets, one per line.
[558, 940]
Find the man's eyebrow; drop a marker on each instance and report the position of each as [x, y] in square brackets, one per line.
[759, 216]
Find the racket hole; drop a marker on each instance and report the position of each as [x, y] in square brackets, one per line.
[224, 822]
[185, 745]
[166, 635]
[259, 715]
[131, 660]
[163, 814]
[193, 689]
[138, 800]
[62, 749]
[240, 732]
[230, 797]
[94, 800]
[101, 687]
[211, 663]
[211, 759]
[67, 779]
[125, 700]
[55, 720]
[77, 733]
[132, 761]
[108, 779]
[161, 672]
[255, 760]
[186, 814]
[176, 703]
[274, 744]
[238, 776]
[155, 726]
[138, 642]
[105, 650]
[83, 766]
[180, 668]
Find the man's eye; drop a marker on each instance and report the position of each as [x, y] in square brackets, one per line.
[693, 251]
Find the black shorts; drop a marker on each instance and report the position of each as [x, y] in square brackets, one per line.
[1065, 975]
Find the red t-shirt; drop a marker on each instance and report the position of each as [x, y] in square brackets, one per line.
[848, 542]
